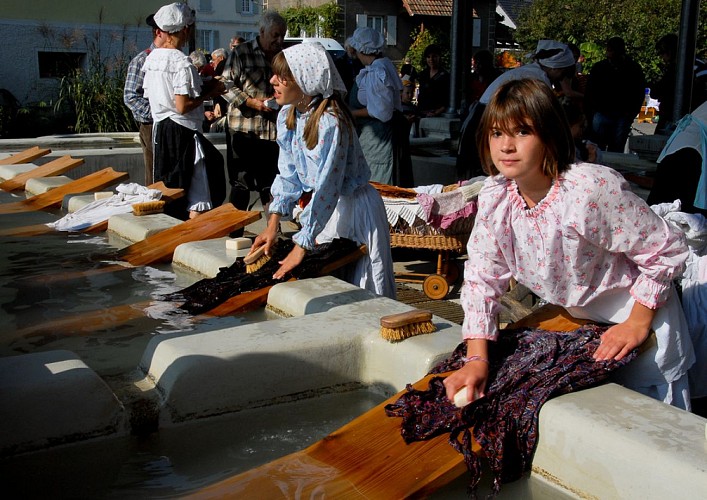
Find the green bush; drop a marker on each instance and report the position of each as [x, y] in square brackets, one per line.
[96, 96]
[421, 38]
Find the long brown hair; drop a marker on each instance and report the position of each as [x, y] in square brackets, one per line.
[533, 105]
[334, 105]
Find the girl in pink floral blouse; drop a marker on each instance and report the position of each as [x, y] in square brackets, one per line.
[575, 235]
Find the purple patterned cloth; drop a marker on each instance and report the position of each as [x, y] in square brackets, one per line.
[528, 367]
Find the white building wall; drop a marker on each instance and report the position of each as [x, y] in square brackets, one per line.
[23, 39]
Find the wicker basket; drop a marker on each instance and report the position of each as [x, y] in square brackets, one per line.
[422, 235]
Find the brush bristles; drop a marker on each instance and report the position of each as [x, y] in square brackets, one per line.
[148, 207]
[406, 331]
[251, 268]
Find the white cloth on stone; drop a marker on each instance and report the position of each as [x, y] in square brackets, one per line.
[101, 210]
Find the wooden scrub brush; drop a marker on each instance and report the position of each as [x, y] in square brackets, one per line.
[255, 260]
[148, 207]
[397, 327]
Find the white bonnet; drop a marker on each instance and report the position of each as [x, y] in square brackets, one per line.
[174, 17]
[314, 69]
[561, 57]
[367, 41]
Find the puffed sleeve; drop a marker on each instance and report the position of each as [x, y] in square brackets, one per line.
[618, 220]
[286, 189]
[187, 81]
[377, 93]
[486, 273]
[328, 159]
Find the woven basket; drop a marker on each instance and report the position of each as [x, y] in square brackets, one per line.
[422, 235]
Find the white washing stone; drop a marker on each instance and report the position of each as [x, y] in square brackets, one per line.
[251, 365]
[611, 442]
[78, 201]
[52, 398]
[297, 298]
[138, 227]
[41, 185]
[10, 171]
[206, 257]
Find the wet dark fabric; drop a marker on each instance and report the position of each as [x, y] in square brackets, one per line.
[208, 293]
[527, 368]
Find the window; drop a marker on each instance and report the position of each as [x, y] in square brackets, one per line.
[246, 6]
[59, 64]
[206, 40]
[205, 6]
[376, 22]
[387, 25]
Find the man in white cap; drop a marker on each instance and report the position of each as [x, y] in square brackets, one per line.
[552, 62]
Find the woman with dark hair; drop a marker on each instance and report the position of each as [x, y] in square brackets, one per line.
[575, 235]
[321, 161]
[433, 97]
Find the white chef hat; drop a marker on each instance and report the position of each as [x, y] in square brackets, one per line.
[174, 17]
[367, 41]
[553, 54]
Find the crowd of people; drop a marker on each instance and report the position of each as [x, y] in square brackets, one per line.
[309, 133]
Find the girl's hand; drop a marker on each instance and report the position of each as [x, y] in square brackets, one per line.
[622, 338]
[293, 259]
[268, 237]
[619, 340]
[472, 377]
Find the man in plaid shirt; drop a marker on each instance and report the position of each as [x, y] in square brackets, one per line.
[135, 100]
[252, 157]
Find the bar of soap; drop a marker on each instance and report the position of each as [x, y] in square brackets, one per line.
[102, 195]
[460, 400]
[238, 243]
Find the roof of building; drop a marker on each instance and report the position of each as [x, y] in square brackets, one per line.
[428, 7]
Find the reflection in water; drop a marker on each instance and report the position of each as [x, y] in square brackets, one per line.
[58, 291]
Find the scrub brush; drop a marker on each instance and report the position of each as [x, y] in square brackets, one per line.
[400, 326]
[255, 260]
[148, 207]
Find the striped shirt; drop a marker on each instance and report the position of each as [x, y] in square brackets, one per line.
[250, 72]
[133, 93]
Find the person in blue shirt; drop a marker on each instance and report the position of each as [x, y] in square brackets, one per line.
[322, 167]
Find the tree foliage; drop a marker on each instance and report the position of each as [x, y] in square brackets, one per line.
[421, 38]
[305, 20]
[589, 24]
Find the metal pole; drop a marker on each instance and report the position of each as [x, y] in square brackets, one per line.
[454, 73]
[687, 39]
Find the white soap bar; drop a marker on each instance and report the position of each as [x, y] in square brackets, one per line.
[238, 243]
[100, 195]
[460, 400]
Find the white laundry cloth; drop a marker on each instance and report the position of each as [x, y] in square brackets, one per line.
[694, 288]
[101, 210]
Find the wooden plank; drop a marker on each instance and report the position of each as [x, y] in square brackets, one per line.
[212, 224]
[26, 156]
[52, 168]
[367, 458]
[92, 182]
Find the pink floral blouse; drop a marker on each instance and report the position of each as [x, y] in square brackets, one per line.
[589, 236]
